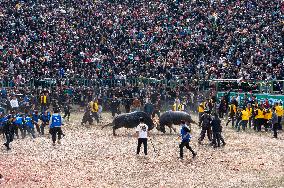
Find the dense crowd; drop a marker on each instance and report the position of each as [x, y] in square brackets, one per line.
[124, 39]
[60, 96]
[173, 40]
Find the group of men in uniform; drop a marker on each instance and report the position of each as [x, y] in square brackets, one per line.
[181, 105]
[257, 116]
[250, 115]
[30, 122]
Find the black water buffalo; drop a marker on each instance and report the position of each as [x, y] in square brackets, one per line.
[171, 118]
[131, 120]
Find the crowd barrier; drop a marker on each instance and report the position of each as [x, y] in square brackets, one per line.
[48, 82]
[219, 85]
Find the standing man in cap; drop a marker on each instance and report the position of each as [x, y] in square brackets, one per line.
[142, 134]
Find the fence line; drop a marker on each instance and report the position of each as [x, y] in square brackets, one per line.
[269, 86]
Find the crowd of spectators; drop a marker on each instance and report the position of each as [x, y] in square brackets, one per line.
[25, 98]
[96, 39]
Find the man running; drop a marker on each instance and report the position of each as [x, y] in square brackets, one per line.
[185, 139]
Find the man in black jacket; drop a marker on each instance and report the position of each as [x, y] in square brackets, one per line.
[205, 127]
[217, 130]
[8, 131]
[222, 107]
[114, 104]
[127, 104]
[67, 109]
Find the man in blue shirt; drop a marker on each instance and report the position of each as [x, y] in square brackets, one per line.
[55, 126]
[19, 125]
[185, 139]
[45, 118]
[29, 126]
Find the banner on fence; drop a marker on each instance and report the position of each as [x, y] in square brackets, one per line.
[260, 97]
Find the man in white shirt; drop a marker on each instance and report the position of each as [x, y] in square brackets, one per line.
[142, 134]
[14, 103]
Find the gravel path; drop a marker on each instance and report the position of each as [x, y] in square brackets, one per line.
[91, 157]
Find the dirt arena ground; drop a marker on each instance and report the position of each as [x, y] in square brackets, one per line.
[92, 157]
